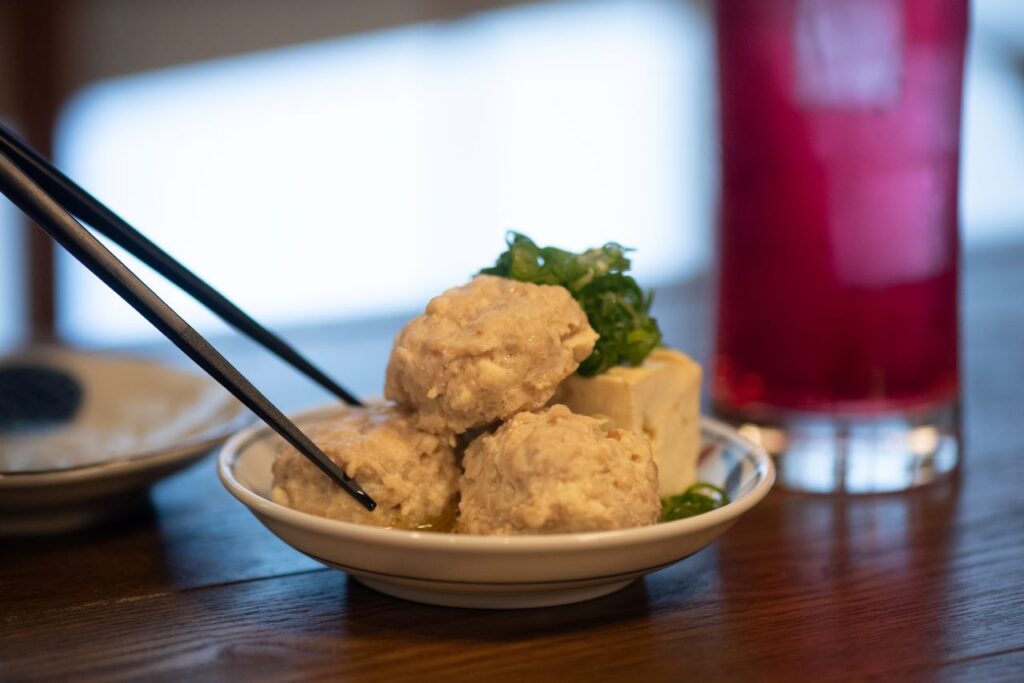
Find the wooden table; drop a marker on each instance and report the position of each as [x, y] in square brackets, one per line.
[924, 585]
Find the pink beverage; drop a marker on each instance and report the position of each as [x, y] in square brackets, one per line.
[840, 125]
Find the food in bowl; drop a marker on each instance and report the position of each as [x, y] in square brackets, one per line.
[615, 448]
[554, 471]
[485, 351]
[411, 474]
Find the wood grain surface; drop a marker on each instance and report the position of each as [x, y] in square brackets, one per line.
[927, 585]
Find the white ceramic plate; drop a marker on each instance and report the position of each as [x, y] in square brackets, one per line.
[498, 571]
[140, 421]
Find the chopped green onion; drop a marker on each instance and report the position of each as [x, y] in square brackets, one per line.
[700, 498]
[618, 310]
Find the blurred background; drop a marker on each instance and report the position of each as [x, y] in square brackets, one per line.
[323, 161]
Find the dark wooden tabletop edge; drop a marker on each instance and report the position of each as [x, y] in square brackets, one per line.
[13, 617]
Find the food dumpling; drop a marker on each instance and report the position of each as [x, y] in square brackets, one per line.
[486, 351]
[411, 474]
[553, 471]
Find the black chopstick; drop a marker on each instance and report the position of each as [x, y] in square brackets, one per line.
[62, 227]
[90, 210]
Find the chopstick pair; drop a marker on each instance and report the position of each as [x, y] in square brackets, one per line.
[53, 201]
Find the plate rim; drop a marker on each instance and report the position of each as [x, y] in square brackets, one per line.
[120, 466]
[135, 462]
[238, 417]
[400, 538]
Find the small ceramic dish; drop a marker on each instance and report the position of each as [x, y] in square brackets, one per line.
[140, 421]
[497, 571]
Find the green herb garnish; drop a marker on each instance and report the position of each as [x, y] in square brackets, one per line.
[617, 308]
[700, 498]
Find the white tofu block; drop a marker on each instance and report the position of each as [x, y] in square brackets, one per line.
[660, 399]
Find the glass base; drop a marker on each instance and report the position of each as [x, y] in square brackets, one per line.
[855, 453]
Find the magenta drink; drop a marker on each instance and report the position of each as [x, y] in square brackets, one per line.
[837, 325]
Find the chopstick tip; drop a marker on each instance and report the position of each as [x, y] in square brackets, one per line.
[369, 503]
[364, 498]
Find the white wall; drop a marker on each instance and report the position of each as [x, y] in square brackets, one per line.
[992, 167]
[360, 176]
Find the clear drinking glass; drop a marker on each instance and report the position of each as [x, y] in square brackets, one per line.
[837, 335]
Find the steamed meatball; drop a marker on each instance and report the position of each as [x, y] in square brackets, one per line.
[485, 351]
[411, 474]
[553, 471]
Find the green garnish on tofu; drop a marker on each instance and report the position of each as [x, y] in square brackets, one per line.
[700, 498]
[617, 308]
